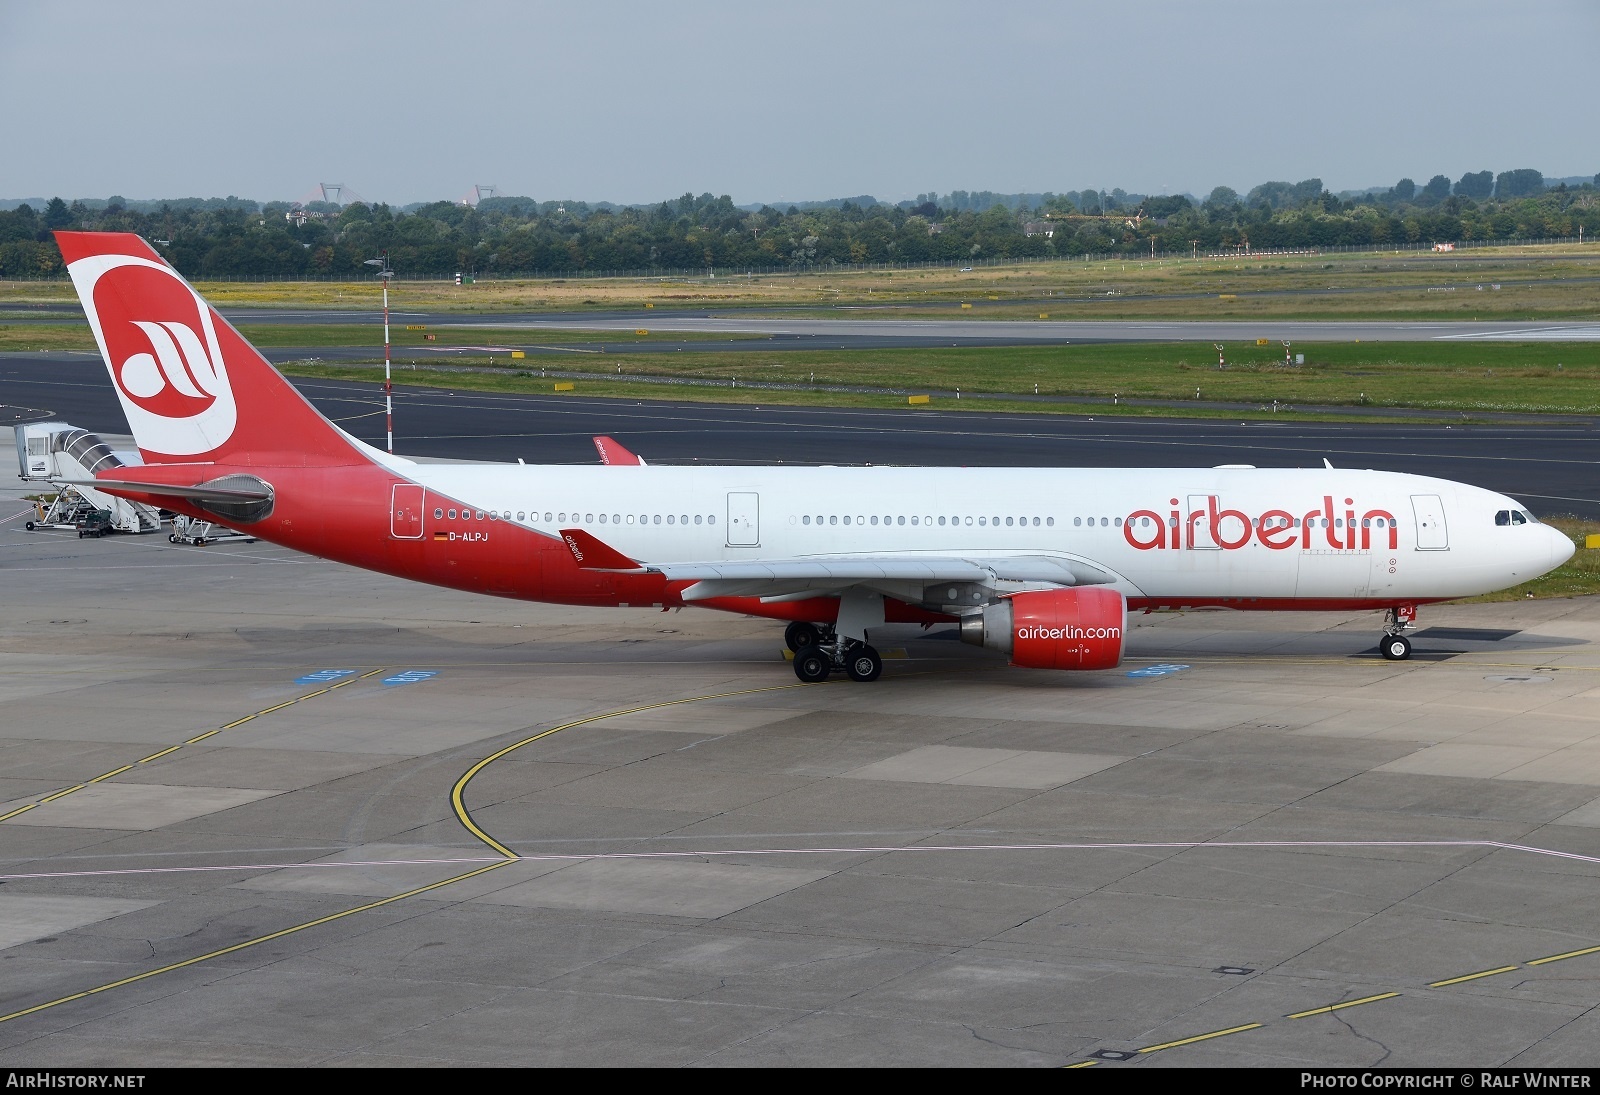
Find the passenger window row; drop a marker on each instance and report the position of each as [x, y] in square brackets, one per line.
[836, 519]
[1322, 522]
[563, 518]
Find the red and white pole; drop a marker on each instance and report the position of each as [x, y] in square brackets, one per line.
[388, 382]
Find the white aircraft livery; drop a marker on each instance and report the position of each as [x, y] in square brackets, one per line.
[1042, 564]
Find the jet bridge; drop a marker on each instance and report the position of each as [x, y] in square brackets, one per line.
[52, 451]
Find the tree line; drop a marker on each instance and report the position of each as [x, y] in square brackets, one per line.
[508, 235]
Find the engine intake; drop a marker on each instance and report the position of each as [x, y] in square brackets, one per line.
[1078, 628]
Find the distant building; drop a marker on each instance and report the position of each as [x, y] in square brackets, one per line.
[1039, 228]
[935, 229]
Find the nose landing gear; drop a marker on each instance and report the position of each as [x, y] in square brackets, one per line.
[1394, 646]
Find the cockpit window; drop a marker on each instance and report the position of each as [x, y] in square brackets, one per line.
[1503, 517]
[1515, 517]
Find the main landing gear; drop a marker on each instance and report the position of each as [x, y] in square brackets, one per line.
[1394, 646]
[818, 652]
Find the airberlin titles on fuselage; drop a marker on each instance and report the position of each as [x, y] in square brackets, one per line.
[1278, 529]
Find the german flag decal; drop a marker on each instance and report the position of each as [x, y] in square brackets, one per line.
[441, 536]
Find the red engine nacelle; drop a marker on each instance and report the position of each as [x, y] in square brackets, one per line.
[1079, 628]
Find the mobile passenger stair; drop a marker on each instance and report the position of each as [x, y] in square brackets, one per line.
[48, 452]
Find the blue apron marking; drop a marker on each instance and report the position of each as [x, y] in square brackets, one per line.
[323, 676]
[1157, 670]
[408, 676]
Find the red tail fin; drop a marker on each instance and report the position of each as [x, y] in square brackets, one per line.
[193, 389]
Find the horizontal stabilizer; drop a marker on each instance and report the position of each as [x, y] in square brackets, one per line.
[593, 554]
[200, 493]
[614, 454]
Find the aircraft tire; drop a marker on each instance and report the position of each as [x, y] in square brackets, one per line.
[862, 663]
[812, 665]
[1395, 648]
[799, 635]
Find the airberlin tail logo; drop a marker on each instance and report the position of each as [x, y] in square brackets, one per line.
[179, 369]
[160, 343]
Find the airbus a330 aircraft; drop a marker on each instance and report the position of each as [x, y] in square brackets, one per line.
[1042, 564]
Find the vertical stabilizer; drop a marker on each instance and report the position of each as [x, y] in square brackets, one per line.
[192, 388]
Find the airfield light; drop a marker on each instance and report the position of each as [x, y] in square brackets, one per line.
[384, 274]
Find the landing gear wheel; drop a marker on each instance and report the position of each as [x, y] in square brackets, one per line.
[812, 665]
[862, 663]
[799, 635]
[1395, 648]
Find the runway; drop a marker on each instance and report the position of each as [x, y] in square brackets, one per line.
[1553, 469]
[857, 327]
[1008, 331]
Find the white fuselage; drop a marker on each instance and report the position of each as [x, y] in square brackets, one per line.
[1151, 528]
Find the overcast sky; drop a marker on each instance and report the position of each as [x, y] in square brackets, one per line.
[640, 101]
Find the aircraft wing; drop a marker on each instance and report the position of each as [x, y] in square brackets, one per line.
[898, 574]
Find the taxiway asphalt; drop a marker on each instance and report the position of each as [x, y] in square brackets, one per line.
[255, 810]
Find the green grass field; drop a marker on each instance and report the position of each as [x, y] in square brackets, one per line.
[1542, 377]
[1467, 377]
[76, 336]
[1554, 281]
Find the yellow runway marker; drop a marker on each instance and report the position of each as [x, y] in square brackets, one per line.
[1200, 1038]
[1562, 957]
[457, 793]
[191, 741]
[209, 955]
[1340, 1007]
[455, 797]
[1471, 977]
[1082, 1064]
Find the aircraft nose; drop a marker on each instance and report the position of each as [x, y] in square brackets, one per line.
[1561, 546]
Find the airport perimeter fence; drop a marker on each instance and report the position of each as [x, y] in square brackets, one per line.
[702, 273]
